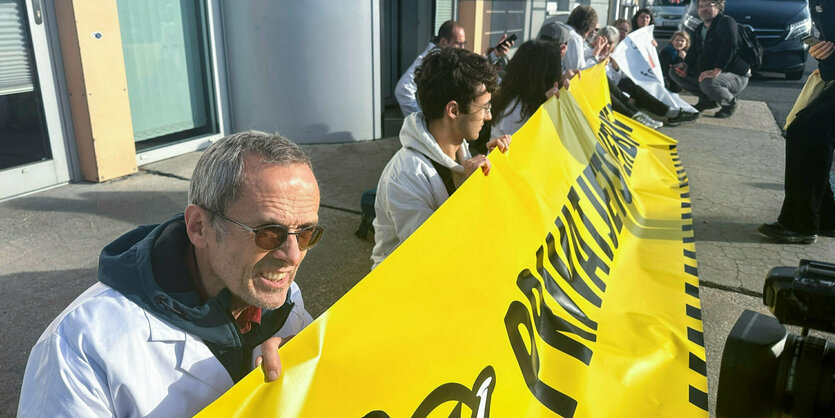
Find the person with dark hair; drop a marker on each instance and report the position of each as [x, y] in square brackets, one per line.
[713, 69]
[582, 22]
[809, 204]
[532, 77]
[185, 309]
[450, 35]
[643, 17]
[454, 89]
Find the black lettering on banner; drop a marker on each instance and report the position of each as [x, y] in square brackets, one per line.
[620, 195]
[556, 401]
[551, 327]
[590, 263]
[476, 399]
[591, 181]
[574, 199]
[570, 276]
[615, 136]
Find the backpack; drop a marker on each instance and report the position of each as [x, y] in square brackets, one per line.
[366, 228]
[748, 47]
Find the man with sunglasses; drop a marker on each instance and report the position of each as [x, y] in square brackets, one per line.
[713, 69]
[450, 35]
[184, 309]
[454, 90]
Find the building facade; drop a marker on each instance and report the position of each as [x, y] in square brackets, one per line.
[90, 90]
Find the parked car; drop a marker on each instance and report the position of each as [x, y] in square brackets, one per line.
[667, 15]
[779, 26]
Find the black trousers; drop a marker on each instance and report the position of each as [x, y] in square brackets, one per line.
[643, 98]
[809, 205]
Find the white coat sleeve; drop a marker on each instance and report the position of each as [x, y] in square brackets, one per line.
[573, 58]
[409, 203]
[406, 93]
[61, 382]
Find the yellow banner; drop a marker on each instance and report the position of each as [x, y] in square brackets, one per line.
[564, 283]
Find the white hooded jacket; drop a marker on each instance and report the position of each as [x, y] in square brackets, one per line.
[410, 189]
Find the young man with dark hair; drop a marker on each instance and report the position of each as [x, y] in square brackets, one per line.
[450, 35]
[454, 89]
[712, 68]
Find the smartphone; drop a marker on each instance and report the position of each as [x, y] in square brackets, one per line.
[811, 40]
[509, 39]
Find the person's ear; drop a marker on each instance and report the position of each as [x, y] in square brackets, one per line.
[452, 110]
[197, 224]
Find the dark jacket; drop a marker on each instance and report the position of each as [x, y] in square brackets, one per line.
[718, 49]
[669, 57]
[147, 265]
[823, 14]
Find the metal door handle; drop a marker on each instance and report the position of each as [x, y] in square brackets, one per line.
[36, 9]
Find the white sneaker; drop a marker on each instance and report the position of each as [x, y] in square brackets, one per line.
[643, 119]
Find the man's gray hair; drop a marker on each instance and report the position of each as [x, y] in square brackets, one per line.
[219, 173]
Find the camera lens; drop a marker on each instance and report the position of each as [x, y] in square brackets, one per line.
[768, 372]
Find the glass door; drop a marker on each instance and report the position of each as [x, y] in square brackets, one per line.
[169, 71]
[32, 152]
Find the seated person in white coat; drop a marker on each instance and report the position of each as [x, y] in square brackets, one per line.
[182, 310]
[450, 35]
[454, 90]
[532, 77]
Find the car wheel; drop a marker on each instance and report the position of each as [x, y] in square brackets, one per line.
[794, 75]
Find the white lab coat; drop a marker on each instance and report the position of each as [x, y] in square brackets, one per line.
[106, 356]
[406, 90]
[410, 190]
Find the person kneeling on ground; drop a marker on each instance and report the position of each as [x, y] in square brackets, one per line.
[454, 88]
[712, 69]
[181, 309]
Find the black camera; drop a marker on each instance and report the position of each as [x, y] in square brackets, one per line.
[768, 372]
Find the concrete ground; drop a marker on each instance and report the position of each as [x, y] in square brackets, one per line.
[49, 241]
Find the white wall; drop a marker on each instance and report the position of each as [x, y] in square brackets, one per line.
[308, 69]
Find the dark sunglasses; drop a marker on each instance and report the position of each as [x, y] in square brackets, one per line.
[270, 237]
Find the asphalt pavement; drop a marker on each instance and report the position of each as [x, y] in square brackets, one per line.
[49, 241]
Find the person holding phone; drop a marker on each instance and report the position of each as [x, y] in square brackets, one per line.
[450, 35]
[809, 205]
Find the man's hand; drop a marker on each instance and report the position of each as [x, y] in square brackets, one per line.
[565, 80]
[502, 48]
[709, 74]
[474, 163]
[269, 361]
[822, 50]
[503, 142]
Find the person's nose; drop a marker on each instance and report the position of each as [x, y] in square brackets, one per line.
[289, 251]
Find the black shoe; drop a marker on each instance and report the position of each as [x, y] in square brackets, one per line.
[683, 117]
[726, 111]
[781, 234]
[705, 105]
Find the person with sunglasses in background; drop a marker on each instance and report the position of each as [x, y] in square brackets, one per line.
[183, 310]
[450, 35]
[454, 88]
